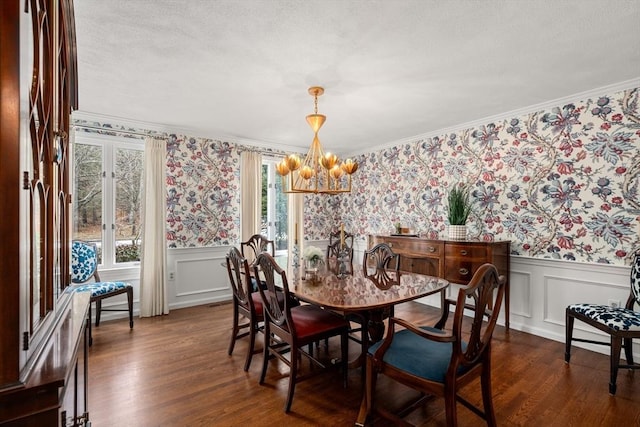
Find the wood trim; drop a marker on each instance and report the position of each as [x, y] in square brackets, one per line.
[10, 187]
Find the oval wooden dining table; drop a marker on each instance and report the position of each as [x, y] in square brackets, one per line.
[358, 293]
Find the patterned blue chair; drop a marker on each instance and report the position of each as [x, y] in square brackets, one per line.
[622, 325]
[84, 266]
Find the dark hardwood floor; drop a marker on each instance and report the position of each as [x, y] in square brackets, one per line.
[174, 371]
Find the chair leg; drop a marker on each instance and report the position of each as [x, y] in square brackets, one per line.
[252, 340]
[450, 405]
[568, 336]
[265, 353]
[616, 346]
[487, 399]
[130, 302]
[344, 346]
[293, 375]
[98, 311]
[628, 350]
[369, 389]
[234, 329]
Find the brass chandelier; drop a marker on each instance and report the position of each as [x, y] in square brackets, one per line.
[320, 172]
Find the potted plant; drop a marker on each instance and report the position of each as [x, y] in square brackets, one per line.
[312, 260]
[459, 210]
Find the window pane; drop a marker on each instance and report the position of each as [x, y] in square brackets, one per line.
[281, 210]
[128, 173]
[87, 204]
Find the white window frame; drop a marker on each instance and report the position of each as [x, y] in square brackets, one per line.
[272, 176]
[109, 144]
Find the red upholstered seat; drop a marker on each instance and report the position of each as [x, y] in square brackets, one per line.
[310, 321]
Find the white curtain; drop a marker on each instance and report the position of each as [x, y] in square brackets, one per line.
[250, 193]
[154, 299]
[295, 215]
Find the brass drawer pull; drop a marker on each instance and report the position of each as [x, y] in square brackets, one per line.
[463, 252]
[463, 271]
[431, 249]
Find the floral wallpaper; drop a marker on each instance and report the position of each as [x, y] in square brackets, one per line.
[562, 183]
[203, 197]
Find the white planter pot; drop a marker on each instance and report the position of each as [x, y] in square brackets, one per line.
[457, 232]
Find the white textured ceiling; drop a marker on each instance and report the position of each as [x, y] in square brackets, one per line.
[391, 69]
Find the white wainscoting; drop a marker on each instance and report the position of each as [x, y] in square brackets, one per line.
[199, 276]
[541, 289]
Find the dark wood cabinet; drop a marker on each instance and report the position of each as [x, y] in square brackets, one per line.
[454, 260]
[42, 364]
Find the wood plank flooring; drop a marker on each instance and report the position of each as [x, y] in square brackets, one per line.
[174, 371]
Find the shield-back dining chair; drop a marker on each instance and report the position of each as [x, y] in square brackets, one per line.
[246, 303]
[84, 267]
[289, 327]
[622, 324]
[255, 245]
[437, 362]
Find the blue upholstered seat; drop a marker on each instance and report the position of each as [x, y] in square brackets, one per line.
[417, 356]
[84, 267]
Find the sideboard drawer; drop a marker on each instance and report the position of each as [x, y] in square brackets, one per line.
[423, 248]
[465, 251]
[460, 270]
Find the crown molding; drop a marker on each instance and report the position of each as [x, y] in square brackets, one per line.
[616, 87]
[141, 126]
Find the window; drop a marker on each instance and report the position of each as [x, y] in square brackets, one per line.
[274, 207]
[107, 196]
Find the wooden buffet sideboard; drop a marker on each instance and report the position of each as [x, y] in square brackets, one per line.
[453, 260]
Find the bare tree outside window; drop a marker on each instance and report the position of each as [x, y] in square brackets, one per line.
[107, 199]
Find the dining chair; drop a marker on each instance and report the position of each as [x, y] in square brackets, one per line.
[255, 245]
[84, 267]
[336, 236]
[246, 303]
[290, 328]
[621, 324]
[437, 362]
[381, 265]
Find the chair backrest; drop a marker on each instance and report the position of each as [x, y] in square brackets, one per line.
[84, 262]
[267, 270]
[486, 290]
[378, 262]
[240, 278]
[334, 250]
[255, 246]
[335, 237]
[635, 281]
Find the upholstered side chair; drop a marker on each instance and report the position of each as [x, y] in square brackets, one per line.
[84, 267]
[622, 324]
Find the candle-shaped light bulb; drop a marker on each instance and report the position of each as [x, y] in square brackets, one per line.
[342, 235]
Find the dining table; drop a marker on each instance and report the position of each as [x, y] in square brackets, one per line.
[359, 292]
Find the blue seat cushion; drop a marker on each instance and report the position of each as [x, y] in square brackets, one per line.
[102, 288]
[419, 356]
[619, 319]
